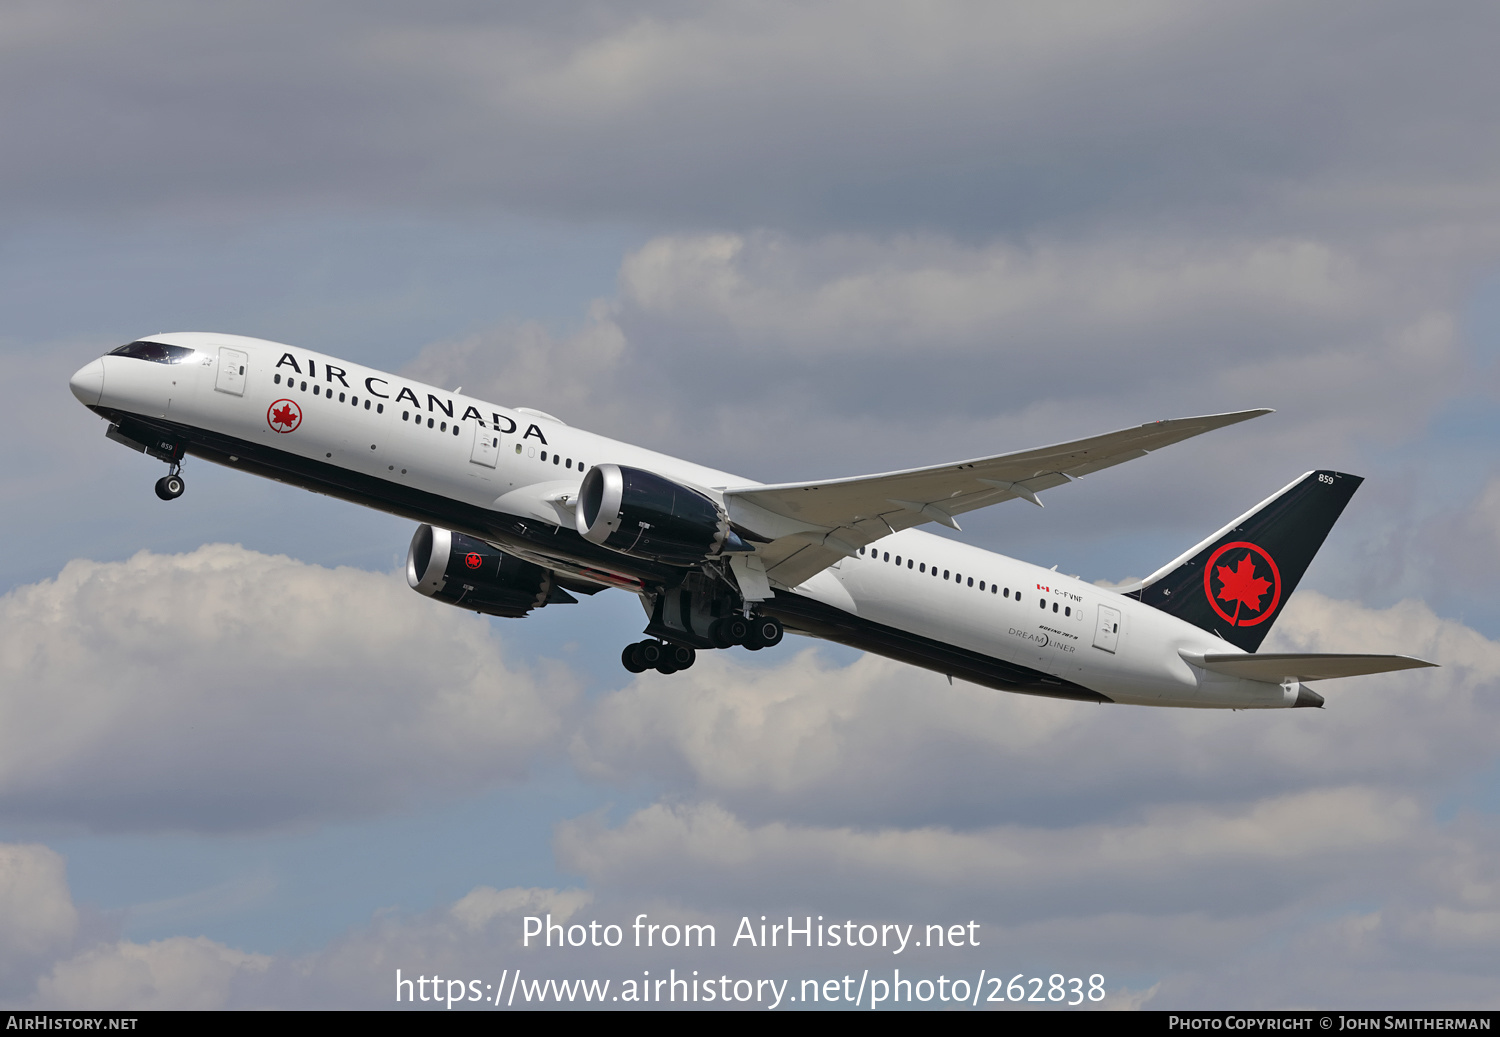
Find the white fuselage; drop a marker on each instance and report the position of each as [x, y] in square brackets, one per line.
[417, 437]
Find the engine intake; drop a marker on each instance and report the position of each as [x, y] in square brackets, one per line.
[643, 514]
[467, 572]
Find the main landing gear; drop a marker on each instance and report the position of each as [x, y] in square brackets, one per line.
[754, 633]
[170, 486]
[657, 655]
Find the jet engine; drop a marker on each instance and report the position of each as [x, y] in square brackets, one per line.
[643, 514]
[467, 572]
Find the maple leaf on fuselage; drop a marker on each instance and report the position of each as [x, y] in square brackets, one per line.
[283, 416]
[1241, 584]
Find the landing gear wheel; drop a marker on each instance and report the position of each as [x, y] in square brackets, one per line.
[650, 654]
[736, 628]
[631, 658]
[718, 633]
[681, 656]
[170, 487]
[768, 631]
[764, 633]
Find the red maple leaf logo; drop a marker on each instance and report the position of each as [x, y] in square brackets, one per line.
[1241, 585]
[284, 415]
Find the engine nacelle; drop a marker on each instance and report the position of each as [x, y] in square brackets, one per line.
[474, 575]
[643, 514]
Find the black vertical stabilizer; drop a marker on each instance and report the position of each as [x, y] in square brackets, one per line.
[1237, 581]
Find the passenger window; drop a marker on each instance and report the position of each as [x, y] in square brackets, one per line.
[304, 387]
[924, 567]
[341, 397]
[1054, 606]
[379, 407]
[1068, 611]
[888, 558]
[971, 583]
[908, 562]
[353, 400]
[898, 559]
[569, 466]
[1043, 603]
[556, 459]
[278, 378]
[544, 455]
[518, 448]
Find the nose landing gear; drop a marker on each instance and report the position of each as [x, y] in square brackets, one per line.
[170, 486]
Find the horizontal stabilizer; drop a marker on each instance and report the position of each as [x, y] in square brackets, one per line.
[1275, 668]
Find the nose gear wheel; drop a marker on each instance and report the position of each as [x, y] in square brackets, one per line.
[170, 487]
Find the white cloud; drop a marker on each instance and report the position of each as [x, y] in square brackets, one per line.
[868, 297]
[224, 689]
[873, 741]
[1193, 858]
[37, 917]
[575, 377]
[746, 351]
[481, 906]
[877, 114]
[181, 973]
[1170, 844]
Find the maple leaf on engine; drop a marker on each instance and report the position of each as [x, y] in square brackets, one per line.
[1241, 584]
[283, 416]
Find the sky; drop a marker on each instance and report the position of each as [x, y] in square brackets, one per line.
[243, 766]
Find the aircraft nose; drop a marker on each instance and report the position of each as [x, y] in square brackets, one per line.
[88, 383]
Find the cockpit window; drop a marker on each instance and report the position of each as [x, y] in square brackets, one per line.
[156, 352]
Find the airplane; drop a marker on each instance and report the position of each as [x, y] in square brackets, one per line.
[517, 510]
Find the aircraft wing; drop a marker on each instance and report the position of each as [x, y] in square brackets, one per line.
[803, 528]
